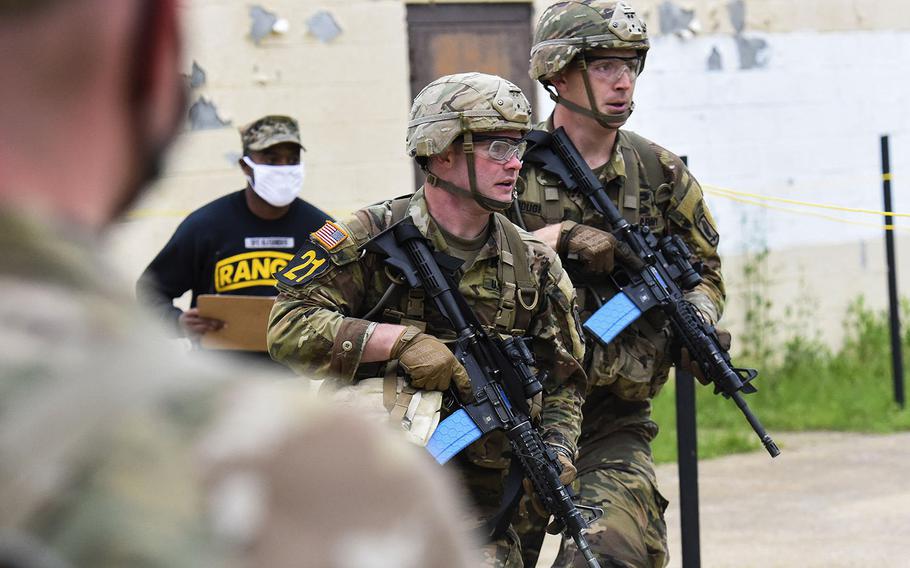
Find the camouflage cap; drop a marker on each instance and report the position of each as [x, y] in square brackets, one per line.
[269, 131]
[466, 102]
[567, 28]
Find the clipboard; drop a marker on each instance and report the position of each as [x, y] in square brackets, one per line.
[245, 320]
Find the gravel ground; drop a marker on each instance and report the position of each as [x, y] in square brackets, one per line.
[829, 500]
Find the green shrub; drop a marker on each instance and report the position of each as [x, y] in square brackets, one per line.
[810, 388]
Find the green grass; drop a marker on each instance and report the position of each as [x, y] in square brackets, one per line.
[808, 388]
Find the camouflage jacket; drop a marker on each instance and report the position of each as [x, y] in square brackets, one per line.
[315, 325]
[633, 368]
[119, 449]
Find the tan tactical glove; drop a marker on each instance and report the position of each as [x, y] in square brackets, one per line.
[429, 363]
[566, 476]
[597, 249]
[723, 338]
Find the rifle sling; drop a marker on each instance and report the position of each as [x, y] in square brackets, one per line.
[511, 495]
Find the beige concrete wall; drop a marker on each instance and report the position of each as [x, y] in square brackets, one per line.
[811, 288]
[784, 16]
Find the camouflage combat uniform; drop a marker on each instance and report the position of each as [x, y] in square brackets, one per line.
[651, 186]
[617, 429]
[117, 450]
[315, 327]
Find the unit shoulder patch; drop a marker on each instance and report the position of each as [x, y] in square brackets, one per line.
[706, 227]
[330, 235]
[307, 264]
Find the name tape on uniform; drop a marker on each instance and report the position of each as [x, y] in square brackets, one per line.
[269, 242]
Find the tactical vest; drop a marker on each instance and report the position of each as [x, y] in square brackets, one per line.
[520, 294]
[628, 196]
[635, 364]
[518, 302]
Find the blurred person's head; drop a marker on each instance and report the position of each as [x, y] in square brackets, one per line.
[91, 96]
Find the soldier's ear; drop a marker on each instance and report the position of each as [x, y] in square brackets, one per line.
[559, 81]
[157, 88]
[446, 158]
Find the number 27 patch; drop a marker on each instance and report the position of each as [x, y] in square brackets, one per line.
[307, 264]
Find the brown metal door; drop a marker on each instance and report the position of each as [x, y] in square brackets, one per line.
[456, 38]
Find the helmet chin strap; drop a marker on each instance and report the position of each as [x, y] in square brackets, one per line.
[603, 119]
[487, 203]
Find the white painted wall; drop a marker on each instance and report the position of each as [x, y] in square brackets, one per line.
[805, 127]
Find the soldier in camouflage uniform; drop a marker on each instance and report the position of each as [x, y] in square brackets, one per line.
[588, 54]
[465, 131]
[115, 448]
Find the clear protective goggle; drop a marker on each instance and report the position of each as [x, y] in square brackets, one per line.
[501, 148]
[611, 67]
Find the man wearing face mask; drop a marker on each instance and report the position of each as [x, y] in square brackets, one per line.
[234, 244]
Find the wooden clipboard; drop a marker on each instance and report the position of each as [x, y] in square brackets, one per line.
[245, 320]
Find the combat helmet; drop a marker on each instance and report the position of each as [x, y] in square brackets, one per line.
[566, 31]
[462, 105]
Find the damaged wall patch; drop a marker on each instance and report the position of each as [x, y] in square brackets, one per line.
[261, 23]
[204, 116]
[715, 61]
[323, 26]
[737, 11]
[197, 76]
[752, 52]
[676, 19]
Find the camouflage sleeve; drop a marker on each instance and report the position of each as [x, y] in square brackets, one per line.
[308, 329]
[690, 218]
[559, 349]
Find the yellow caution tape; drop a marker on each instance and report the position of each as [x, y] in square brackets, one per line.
[813, 214]
[154, 213]
[731, 192]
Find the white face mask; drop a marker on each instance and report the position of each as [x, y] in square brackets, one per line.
[277, 185]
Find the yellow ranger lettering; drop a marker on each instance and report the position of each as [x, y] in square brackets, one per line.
[249, 269]
[224, 276]
[261, 268]
[277, 264]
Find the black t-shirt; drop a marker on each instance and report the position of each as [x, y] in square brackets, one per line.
[223, 248]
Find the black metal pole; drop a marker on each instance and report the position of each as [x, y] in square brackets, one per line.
[687, 451]
[687, 448]
[897, 359]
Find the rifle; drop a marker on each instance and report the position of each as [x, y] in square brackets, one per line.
[501, 382]
[665, 275]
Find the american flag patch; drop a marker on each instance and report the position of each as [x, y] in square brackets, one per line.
[330, 235]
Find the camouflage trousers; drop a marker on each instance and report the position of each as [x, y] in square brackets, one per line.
[484, 487]
[616, 473]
